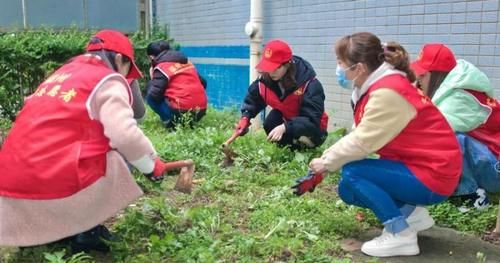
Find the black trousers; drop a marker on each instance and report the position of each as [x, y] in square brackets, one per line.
[317, 136]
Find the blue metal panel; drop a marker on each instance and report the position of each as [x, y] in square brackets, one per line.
[11, 14]
[227, 80]
[217, 51]
[226, 84]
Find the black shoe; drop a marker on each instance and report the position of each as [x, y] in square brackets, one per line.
[92, 239]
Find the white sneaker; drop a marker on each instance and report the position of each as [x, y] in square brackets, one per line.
[419, 219]
[388, 245]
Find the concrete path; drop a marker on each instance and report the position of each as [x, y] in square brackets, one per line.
[439, 245]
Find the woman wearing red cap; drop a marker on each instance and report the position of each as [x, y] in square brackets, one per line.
[420, 159]
[62, 164]
[465, 97]
[289, 86]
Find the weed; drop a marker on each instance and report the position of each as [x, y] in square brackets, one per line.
[243, 213]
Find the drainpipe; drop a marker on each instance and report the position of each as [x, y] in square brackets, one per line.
[25, 16]
[148, 18]
[253, 29]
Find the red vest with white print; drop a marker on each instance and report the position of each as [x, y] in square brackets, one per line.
[184, 91]
[290, 106]
[427, 145]
[488, 133]
[55, 148]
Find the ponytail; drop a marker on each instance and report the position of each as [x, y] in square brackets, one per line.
[366, 48]
[397, 56]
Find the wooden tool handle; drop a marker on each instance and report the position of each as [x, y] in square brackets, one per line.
[178, 164]
[231, 139]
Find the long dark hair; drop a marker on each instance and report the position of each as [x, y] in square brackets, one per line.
[437, 77]
[288, 80]
[157, 47]
[106, 55]
[366, 48]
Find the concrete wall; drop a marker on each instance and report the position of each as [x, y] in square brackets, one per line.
[470, 28]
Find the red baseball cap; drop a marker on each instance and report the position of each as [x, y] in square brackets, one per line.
[116, 41]
[434, 57]
[276, 53]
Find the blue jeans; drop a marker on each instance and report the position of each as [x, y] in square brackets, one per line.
[478, 169]
[386, 187]
[161, 108]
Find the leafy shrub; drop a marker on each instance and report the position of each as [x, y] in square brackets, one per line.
[28, 57]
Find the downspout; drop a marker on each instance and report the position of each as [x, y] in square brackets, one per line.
[253, 29]
[149, 18]
[25, 15]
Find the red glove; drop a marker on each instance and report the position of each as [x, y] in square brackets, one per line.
[242, 126]
[307, 183]
[158, 171]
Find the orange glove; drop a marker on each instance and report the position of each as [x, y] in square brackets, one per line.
[242, 126]
[158, 171]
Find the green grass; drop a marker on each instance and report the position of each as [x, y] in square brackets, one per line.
[244, 213]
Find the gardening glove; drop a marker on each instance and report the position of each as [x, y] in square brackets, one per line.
[307, 183]
[242, 126]
[159, 169]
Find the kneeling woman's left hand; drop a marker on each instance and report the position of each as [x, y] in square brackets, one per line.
[277, 133]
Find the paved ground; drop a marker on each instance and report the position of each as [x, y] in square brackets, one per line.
[438, 245]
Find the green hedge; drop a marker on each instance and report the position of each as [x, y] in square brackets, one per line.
[26, 58]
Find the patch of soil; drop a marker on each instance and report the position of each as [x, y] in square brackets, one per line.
[286, 254]
[229, 156]
[350, 244]
[492, 237]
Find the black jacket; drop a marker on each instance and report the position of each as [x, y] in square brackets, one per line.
[313, 100]
[156, 87]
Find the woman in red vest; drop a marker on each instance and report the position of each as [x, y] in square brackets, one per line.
[289, 86]
[176, 89]
[420, 160]
[63, 163]
[464, 95]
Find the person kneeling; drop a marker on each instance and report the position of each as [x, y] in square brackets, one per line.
[175, 90]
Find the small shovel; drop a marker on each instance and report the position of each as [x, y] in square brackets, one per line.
[229, 154]
[184, 183]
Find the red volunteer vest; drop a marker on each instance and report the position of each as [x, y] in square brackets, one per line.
[184, 91]
[489, 132]
[290, 106]
[427, 145]
[54, 148]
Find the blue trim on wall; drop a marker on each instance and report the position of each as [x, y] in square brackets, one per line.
[227, 85]
[216, 51]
